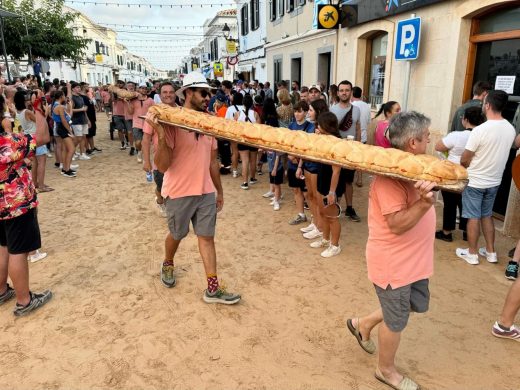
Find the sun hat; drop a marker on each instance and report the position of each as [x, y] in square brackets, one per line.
[193, 80]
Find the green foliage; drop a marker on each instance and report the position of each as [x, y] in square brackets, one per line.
[50, 34]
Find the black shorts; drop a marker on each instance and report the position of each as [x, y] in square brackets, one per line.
[62, 131]
[119, 122]
[278, 179]
[242, 148]
[349, 175]
[295, 182]
[92, 130]
[21, 234]
[158, 179]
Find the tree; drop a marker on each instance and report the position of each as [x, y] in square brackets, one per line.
[50, 35]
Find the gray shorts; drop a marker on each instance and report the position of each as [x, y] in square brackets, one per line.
[128, 126]
[80, 130]
[398, 303]
[138, 134]
[200, 210]
[119, 122]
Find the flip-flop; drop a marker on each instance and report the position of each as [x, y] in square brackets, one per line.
[405, 384]
[368, 346]
[45, 189]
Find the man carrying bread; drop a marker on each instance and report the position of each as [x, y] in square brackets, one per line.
[191, 178]
[399, 252]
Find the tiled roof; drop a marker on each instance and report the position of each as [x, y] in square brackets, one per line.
[227, 12]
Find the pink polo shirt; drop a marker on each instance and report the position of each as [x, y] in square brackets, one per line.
[140, 109]
[119, 107]
[392, 259]
[189, 171]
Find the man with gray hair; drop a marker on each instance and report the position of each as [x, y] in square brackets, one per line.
[399, 252]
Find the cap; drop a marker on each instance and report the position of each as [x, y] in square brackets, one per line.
[315, 86]
[143, 85]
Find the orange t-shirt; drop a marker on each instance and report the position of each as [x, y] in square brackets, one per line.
[221, 112]
[189, 171]
[392, 259]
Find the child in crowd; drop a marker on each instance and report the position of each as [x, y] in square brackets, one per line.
[331, 186]
[275, 177]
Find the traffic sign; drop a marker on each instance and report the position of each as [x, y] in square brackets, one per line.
[407, 40]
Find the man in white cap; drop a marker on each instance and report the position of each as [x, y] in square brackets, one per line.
[191, 177]
[314, 92]
[137, 108]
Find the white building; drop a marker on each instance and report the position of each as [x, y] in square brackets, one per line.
[252, 32]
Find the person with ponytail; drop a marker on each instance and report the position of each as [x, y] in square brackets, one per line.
[389, 109]
[248, 154]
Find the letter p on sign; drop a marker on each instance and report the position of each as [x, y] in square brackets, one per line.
[407, 39]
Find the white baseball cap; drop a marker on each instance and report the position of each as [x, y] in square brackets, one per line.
[143, 85]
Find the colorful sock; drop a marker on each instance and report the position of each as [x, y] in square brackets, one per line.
[212, 283]
[167, 263]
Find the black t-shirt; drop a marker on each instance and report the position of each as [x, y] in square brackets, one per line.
[152, 94]
[78, 118]
[324, 177]
[91, 108]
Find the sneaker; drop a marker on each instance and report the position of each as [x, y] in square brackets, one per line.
[321, 243]
[167, 276]
[235, 174]
[139, 157]
[305, 206]
[331, 251]
[37, 256]
[7, 295]
[97, 150]
[49, 154]
[490, 257]
[276, 206]
[298, 219]
[84, 157]
[351, 214]
[221, 296]
[74, 158]
[76, 154]
[69, 173]
[313, 234]
[513, 333]
[123, 147]
[57, 165]
[244, 186]
[268, 194]
[273, 200]
[61, 165]
[132, 151]
[37, 301]
[308, 228]
[466, 256]
[253, 181]
[440, 235]
[512, 270]
[89, 152]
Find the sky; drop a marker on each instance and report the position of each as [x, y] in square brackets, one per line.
[173, 43]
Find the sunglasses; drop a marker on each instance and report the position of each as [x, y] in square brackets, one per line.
[203, 92]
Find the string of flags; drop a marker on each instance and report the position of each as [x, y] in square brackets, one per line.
[151, 5]
[154, 27]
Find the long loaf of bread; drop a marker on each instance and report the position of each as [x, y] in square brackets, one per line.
[322, 147]
[122, 93]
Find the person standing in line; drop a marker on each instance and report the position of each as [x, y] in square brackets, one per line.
[480, 90]
[268, 91]
[192, 189]
[350, 128]
[130, 86]
[399, 252]
[80, 123]
[364, 122]
[92, 120]
[389, 109]
[248, 154]
[105, 96]
[485, 157]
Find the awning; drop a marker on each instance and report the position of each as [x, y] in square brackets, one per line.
[244, 67]
[7, 14]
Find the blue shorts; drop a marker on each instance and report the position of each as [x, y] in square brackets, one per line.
[41, 150]
[478, 202]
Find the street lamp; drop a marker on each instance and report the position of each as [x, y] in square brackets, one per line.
[102, 48]
[226, 30]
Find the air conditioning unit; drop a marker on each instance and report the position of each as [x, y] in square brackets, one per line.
[205, 57]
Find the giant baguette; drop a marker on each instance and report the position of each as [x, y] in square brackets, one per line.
[122, 93]
[323, 147]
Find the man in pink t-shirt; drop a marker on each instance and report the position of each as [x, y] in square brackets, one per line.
[399, 252]
[191, 176]
[130, 86]
[139, 107]
[118, 115]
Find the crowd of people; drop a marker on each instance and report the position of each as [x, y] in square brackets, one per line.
[186, 168]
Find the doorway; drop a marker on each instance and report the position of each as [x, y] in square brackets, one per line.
[296, 70]
[325, 69]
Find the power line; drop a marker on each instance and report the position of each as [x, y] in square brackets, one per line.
[154, 5]
[155, 27]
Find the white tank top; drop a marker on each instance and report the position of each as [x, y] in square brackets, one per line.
[250, 114]
[28, 126]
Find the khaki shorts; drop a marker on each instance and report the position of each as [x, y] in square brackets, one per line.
[201, 210]
[399, 302]
[80, 130]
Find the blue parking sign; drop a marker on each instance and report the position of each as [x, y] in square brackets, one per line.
[407, 40]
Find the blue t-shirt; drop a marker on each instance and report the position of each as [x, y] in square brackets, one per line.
[295, 126]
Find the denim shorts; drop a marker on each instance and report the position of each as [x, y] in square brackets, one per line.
[41, 150]
[478, 202]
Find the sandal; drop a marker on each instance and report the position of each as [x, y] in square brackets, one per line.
[45, 189]
[405, 384]
[368, 345]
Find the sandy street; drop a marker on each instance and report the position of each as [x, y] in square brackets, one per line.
[112, 325]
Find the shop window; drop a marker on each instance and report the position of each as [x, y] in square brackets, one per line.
[272, 9]
[376, 68]
[255, 14]
[501, 21]
[244, 20]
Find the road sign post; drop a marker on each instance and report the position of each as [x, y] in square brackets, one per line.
[407, 41]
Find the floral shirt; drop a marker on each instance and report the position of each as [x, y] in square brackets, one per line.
[17, 192]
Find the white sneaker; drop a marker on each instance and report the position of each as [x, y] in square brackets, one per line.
[490, 257]
[72, 166]
[235, 174]
[276, 206]
[466, 256]
[49, 154]
[313, 234]
[309, 228]
[331, 251]
[74, 158]
[268, 194]
[273, 201]
[84, 157]
[76, 154]
[139, 157]
[37, 256]
[320, 244]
